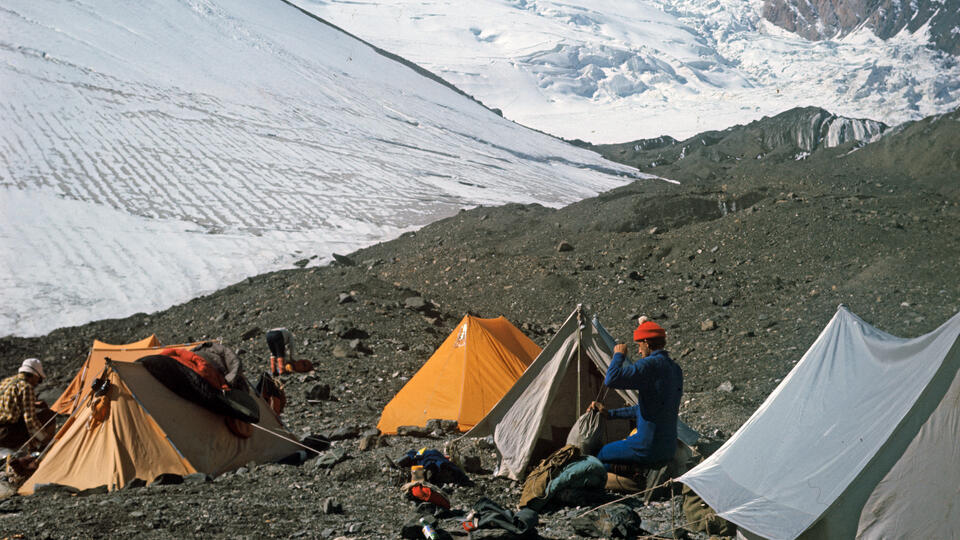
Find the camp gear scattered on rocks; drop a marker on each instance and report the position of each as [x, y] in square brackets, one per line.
[464, 378]
[613, 521]
[301, 366]
[224, 359]
[198, 365]
[317, 442]
[19, 466]
[587, 474]
[437, 467]
[535, 486]
[700, 517]
[271, 390]
[487, 514]
[188, 384]
[423, 491]
[424, 526]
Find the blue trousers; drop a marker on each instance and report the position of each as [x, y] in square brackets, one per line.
[630, 451]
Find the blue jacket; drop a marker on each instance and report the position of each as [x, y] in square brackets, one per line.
[659, 382]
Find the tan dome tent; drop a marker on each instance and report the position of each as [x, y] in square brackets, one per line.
[139, 429]
[466, 376]
[860, 440]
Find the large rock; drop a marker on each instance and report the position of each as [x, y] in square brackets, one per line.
[319, 392]
[345, 432]
[413, 431]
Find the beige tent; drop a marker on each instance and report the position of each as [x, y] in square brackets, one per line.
[141, 429]
[860, 440]
[79, 387]
[535, 416]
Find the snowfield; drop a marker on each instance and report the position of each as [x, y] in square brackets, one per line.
[155, 151]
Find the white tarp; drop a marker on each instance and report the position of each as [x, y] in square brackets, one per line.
[825, 452]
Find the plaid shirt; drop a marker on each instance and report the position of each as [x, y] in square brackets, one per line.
[17, 399]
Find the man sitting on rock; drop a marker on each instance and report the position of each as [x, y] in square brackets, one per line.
[659, 382]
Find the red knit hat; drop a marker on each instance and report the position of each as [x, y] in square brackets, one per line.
[647, 330]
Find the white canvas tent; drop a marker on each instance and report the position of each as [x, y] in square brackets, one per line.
[860, 440]
[534, 417]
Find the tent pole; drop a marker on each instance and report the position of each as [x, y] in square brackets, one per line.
[579, 357]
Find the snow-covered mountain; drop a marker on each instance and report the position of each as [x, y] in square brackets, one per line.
[615, 71]
[154, 151]
[827, 19]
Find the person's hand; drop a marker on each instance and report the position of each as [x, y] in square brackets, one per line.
[597, 406]
[620, 348]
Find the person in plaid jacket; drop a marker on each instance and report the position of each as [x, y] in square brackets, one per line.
[18, 407]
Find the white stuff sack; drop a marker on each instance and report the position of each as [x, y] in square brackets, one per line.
[587, 432]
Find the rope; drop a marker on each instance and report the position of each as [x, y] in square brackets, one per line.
[673, 514]
[658, 534]
[275, 434]
[664, 484]
[34, 436]
[677, 528]
[602, 393]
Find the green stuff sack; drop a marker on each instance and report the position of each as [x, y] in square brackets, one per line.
[701, 518]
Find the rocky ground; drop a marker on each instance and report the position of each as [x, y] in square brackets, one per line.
[743, 271]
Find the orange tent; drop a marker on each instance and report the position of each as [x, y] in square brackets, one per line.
[473, 368]
[140, 429]
[79, 388]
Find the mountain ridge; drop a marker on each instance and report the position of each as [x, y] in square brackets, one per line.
[828, 19]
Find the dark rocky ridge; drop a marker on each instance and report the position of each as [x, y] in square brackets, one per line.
[826, 19]
[790, 146]
[789, 136]
[743, 266]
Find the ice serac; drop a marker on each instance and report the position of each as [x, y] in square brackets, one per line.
[826, 130]
[827, 19]
[810, 128]
[790, 135]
